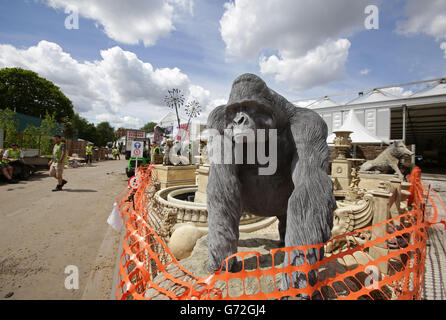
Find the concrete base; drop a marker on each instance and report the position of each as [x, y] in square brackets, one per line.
[170, 176]
[371, 181]
[202, 179]
[341, 172]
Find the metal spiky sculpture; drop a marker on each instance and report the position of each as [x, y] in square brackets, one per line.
[175, 100]
[193, 110]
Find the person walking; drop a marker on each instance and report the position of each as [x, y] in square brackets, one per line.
[116, 153]
[58, 162]
[89, 153]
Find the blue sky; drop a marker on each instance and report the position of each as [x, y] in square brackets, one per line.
[309, 49]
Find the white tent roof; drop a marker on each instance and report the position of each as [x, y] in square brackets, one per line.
[374, 96]
[383, 97]
[323, 103]
[360, 133]
[169, 119]
[437, 89]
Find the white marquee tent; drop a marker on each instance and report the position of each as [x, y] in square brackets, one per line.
[360, 135]
[170, 120]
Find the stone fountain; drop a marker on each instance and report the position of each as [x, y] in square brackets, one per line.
[178, 211]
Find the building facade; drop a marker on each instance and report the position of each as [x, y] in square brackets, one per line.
[416, 116]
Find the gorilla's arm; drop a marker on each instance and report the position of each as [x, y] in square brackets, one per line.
[223, 202]
[225, 209]
[311, 205]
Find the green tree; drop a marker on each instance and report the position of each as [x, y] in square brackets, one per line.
[106, 133]
[84, 129]
[48, 128]
[149, 127]
[68, 128]
[9, 124]
[31, 137]
[25, 92]
[120, 132]
[44, 133]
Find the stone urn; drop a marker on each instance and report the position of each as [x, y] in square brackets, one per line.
[342, 144]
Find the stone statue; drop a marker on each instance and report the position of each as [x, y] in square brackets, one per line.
[166, 160]
[355, 179]
[299, 192]
[389, 159]
[204, 156]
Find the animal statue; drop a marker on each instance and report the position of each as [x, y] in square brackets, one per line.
[179, 154]
[166, 160]
[389, 159]
[299, 192]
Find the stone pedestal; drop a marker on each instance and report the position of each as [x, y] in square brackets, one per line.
[343, 143]
[371, 181]
[341, 171]
[405, 193]
[202, 178]
[170, 176]
[381, 209]
[381, 212]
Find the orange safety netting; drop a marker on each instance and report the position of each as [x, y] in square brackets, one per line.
[381, 262]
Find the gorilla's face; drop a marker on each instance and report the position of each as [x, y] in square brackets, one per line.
[245, 120]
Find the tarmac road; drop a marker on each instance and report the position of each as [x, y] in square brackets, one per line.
[42, 232]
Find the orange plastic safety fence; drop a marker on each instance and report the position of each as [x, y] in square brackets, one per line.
[381, 262]
[426, 196]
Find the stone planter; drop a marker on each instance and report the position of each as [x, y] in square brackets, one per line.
[169, 176]
[342, 143]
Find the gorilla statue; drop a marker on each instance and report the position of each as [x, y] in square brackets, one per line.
[299, 192]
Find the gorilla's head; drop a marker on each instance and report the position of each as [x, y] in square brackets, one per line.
[252, 106]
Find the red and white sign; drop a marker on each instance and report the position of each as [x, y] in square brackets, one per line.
[135, 134]
[137, 149]
[134, 183]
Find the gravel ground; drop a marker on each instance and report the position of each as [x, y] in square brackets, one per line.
[271, 229]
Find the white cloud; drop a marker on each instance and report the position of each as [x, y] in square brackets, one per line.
[212, 104]
[425, 17]
[119, 121]
[292, 27]
[307, 37]
[200, 94]
[443, 47]
[321, 65]
[365, 72]
[112, 85]
[130, 21]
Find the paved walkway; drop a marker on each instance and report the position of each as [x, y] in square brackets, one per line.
[43, 232]
[435, 270]
[435, 273]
